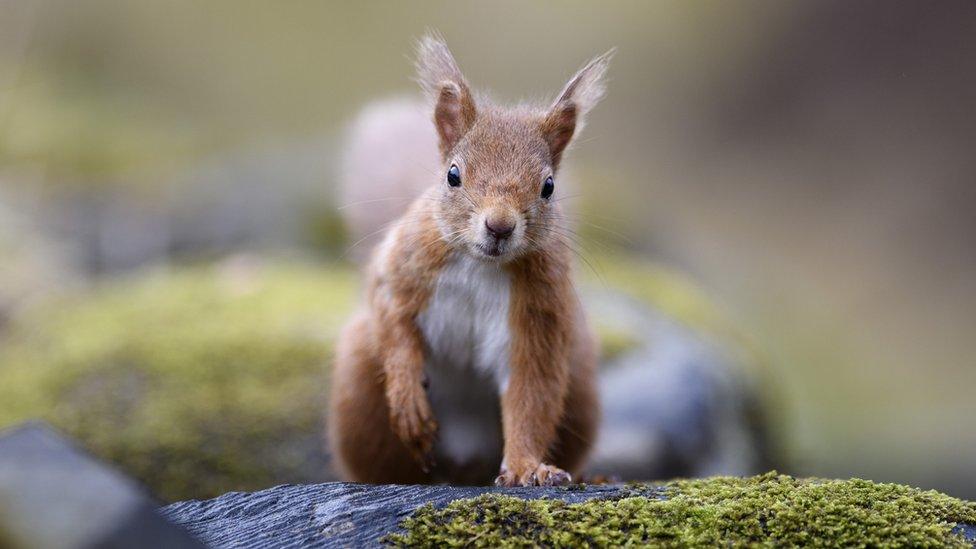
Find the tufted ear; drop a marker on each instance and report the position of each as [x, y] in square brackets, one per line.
[440, 77]
[567, 114]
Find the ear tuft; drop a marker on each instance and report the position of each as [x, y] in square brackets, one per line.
[435, 64]
[441, 79]
[588, 86]
[567, 114]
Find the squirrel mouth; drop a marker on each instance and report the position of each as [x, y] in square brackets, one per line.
[494, 250]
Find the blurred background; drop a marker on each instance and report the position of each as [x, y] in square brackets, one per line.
[172, 251]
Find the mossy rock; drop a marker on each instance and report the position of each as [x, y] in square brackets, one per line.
[196, 382]
[769, 510]
[207, 379]
[766, 511]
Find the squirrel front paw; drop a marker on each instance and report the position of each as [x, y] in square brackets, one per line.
[413, 422]
[541, 475]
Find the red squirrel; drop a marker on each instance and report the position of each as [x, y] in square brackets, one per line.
[472, 357]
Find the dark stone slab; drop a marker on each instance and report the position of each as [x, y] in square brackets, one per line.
[329, 515]
[679, 403]
[54, 495]
[337, 514]
[967, 530]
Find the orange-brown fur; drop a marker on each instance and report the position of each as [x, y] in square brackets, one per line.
[382, 426]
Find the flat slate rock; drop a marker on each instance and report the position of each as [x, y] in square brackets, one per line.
[338, 514]
[334, 514]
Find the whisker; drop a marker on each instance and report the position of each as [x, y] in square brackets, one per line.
[582, 257]
[360, 202]
[567, 241]
[413, 217]
[567, 197]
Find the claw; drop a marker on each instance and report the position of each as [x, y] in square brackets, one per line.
[543, 475]
[560, 478]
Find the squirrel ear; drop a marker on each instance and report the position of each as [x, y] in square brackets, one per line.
[441, 79]
[567, 114]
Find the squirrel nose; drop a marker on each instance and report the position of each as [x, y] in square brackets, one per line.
[500, 228]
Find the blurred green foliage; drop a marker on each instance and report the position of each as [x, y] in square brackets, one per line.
[664, 288]
[80, 136]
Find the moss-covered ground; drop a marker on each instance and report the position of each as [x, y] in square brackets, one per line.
[769, 510]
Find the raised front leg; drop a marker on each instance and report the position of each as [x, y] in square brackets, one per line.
[398, 291]
[362, 441]
[411, 416]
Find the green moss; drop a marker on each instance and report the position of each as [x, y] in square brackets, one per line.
[613, 341]
[652, 283]
[670, 292]
[673, 294]
[196, 382]
[765, 511]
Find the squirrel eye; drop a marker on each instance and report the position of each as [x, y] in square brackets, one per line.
[548, 187]
[454, 176]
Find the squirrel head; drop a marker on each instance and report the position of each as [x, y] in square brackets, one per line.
[497, 198]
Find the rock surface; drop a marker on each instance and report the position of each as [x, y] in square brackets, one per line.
[676, 403]
[328, 515]
[53, 495]
[340, 514]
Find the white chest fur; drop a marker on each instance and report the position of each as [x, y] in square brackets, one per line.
[465, 324]
[466, 331]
